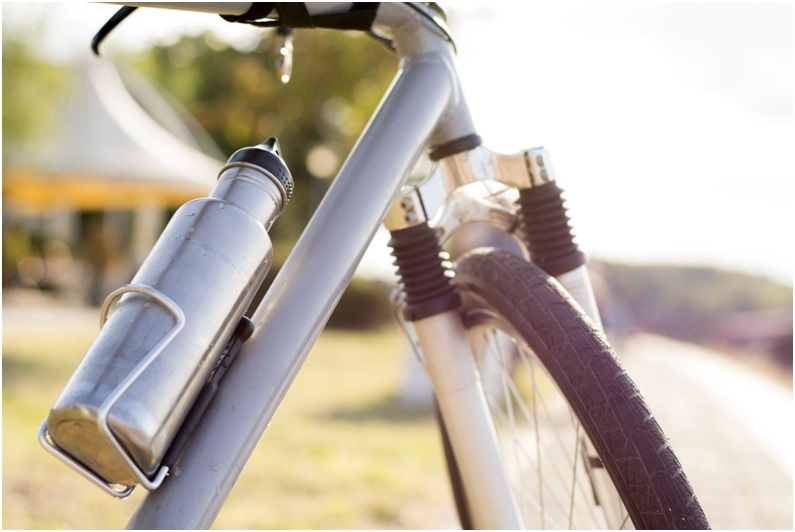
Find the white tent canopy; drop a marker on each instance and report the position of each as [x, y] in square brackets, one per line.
[116, 142]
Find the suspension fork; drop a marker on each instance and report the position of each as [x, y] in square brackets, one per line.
[539, 220]
[431, 304]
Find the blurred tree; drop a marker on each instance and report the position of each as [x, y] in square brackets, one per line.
[31, 88]
[31, 91]
[686, 301]
[338, 80]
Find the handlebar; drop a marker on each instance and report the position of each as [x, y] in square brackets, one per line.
[217, 8]
[288, 15]
[239, 8]
[340, 15]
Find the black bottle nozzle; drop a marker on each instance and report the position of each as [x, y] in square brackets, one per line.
[267, 156]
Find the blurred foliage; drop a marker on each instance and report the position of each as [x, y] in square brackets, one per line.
[338, 79]
[31, 88]
[365, 304]
[686, 302]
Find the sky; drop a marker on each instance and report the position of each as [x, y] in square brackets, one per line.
[670, 124]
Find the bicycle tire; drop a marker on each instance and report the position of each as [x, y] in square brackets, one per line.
[500, 288]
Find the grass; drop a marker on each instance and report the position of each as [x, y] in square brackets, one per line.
[341, 453]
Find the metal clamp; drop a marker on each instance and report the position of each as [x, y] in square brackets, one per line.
[526, 169]
[48, 443]
[407, 210]
[102, 416]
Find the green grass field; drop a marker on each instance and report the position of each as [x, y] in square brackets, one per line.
[341, 453]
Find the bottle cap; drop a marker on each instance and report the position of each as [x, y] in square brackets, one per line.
[268, 157]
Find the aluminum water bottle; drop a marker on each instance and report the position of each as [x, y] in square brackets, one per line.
[164, 332]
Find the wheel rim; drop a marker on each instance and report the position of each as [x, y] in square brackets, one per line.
[555, 474]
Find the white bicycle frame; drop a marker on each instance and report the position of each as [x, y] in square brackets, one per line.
[424, 106]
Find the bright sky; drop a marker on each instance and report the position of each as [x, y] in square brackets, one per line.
[670, 123]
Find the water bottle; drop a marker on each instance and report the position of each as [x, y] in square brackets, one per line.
[164, 332]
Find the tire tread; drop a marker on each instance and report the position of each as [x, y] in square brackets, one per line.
[620, 424]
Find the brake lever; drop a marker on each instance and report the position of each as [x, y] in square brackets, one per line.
[284, 42]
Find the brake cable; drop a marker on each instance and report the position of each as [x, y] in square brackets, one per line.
[109, 26]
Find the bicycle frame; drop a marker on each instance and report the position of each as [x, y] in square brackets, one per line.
[423, 106]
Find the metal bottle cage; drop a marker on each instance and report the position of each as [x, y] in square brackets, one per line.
[110, 402]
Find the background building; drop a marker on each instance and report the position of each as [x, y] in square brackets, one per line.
[84, 203]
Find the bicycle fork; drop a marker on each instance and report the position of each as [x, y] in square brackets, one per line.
[430, 303]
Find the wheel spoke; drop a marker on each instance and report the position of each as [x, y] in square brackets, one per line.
[511, 411]
[574, 475]
[544, 370]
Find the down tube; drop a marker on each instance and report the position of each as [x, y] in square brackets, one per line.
[301, 299]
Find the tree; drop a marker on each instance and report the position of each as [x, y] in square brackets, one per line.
[338, 80]
[31, 88]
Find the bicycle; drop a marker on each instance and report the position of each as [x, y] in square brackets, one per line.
[524, 380]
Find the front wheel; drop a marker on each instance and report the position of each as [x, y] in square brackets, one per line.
[579, 443]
